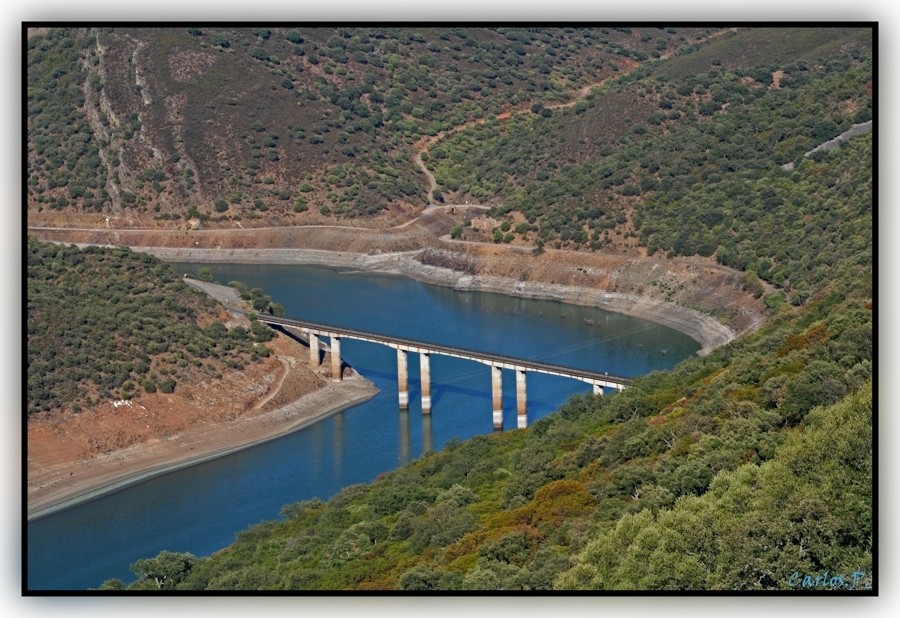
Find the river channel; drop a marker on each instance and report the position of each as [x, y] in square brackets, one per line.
[200, 509]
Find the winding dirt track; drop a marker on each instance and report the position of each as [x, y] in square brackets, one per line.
[421, 148]
[326, 400]
[424, 144]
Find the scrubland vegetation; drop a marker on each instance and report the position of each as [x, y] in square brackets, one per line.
[735, 471]
[107, 324]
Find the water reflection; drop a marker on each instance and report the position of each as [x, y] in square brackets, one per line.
[337, 442]
[427, 437]
[404, 436]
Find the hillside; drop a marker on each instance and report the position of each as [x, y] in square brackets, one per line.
[144, 330]
[570, 134]
[718, 120]
[148, 373]
[670, 168]
[727, 459]
[304, 124]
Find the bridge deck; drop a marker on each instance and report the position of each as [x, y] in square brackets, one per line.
[508, 362]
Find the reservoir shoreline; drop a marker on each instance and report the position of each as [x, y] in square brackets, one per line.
[207, 444]
[215, 499]
[708, 331]
[703, 328]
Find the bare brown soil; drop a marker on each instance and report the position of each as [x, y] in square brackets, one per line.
[694, 282]
[776, 79]
[70, 455]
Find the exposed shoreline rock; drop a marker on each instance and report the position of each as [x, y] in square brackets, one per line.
[141, 462]
[708, 331]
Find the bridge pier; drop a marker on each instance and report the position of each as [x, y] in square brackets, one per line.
[425, 375]
[497, 395]
[313, 350]
[335, 358]
[402, 379]
[316, 332]
[521, 400]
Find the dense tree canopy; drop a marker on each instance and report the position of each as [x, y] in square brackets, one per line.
[140, 330]
[705, 139]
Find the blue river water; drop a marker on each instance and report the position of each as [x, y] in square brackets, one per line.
[200, 509]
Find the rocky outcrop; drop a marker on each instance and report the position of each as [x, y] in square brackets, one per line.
[694, 295]
[703, 328]
[634, 286]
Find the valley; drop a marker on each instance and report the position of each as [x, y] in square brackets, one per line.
[691, 179]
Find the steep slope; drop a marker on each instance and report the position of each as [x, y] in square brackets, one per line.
[129, 370]
[579, 141]
[232, 123]
[802, 520]
[532, 509]
[537, 509]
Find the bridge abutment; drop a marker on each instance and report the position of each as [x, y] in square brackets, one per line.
[598, 390]
[402, 379]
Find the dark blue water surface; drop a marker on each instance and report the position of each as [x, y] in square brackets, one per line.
[201, 508]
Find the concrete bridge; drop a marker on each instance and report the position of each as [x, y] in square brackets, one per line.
[404, 346]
